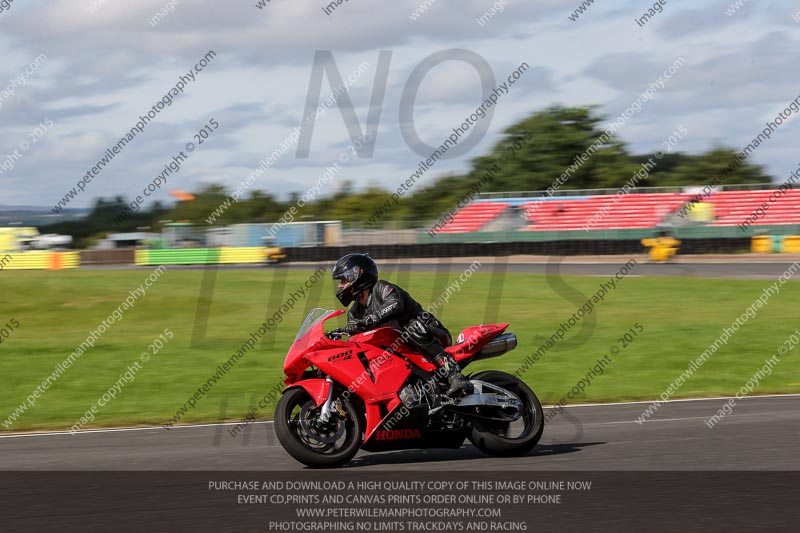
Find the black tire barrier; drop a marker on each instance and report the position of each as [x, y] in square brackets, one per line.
[121, 256]
[495, 249]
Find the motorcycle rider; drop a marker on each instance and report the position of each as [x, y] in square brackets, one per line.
[380, 303]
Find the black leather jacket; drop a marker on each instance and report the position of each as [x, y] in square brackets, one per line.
[392, 306]
[388, 304]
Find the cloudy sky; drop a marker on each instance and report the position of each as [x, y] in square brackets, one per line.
[106, 65]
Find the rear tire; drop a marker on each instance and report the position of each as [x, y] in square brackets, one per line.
[296, 409]
[491, 437]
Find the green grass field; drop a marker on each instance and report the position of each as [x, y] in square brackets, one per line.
[56, 310]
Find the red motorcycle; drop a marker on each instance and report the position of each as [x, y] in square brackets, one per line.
[374, 392]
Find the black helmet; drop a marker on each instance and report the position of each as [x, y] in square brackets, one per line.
[354, 272]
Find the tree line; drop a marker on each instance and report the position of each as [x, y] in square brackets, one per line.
[555, 137]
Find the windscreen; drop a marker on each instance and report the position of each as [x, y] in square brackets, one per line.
[314, 316]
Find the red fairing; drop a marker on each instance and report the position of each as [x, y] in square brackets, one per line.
[471, 340]
[391, 339]
[314, 339]
[386, 336]
[316, 388]
[371, 373]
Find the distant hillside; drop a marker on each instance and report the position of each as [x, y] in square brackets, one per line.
[28, 215]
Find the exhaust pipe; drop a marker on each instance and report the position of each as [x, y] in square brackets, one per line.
[498, 346]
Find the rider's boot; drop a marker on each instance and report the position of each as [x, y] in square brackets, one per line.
[449, 368]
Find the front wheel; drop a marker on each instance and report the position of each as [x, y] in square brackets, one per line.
[310, 441]
[509, 439]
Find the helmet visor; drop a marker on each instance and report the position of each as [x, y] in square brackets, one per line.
[344, 288]
[347, 277]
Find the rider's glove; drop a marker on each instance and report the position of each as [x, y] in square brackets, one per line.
[354, 327]
[363, 324]
[370, 322]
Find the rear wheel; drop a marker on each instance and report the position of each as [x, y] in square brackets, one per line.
[312, 442]
[508, 439]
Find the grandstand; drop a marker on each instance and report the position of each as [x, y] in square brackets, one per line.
[602, 212]
[475, 216]
[593, 210]
[733, 208]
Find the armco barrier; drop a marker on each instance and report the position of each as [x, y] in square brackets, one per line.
[768, 244]
[141, 257]
[40, 260]
[764, 244]
[200, 256]
[61, 260]
[29, 261]
[241, 255]
[183, 256]
[790, 244]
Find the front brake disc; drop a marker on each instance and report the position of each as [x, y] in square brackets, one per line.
[308, 421]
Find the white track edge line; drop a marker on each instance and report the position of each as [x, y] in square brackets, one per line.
[755, 397]
[120, 430]
[189, 426]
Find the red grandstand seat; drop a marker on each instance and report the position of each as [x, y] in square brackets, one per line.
[474, 216]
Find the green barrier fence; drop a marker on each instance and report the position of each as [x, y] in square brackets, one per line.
[188, 256]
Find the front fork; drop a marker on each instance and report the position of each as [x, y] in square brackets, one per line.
[325, 411]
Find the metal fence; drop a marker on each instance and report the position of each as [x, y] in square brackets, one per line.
[639, 190]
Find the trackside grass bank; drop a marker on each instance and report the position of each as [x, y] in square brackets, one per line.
[657, 325]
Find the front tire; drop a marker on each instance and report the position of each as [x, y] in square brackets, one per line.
[500, 439]
[316, 446]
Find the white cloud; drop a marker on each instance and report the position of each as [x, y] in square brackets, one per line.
[106, 68]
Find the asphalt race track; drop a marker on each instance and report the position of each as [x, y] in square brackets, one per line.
[760, 434]
[671, 473]
[726, 269]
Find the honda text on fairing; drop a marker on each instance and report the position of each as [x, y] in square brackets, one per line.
[373, 392]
